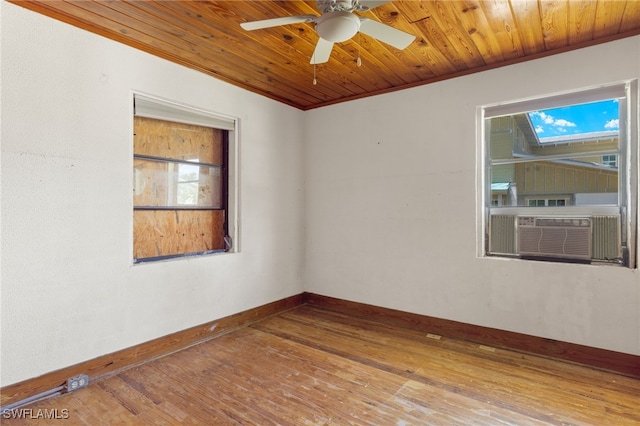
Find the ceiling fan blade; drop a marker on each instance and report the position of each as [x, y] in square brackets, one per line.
[385, 33]
[276, 22]
[322, 51]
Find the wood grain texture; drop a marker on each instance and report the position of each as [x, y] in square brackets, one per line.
[620, 363]
[171, 232]
[117, 361]
[177, 141]
[453, 38]
[315, 366]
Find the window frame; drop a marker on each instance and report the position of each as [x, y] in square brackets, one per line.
[627, 157]
[150, 106]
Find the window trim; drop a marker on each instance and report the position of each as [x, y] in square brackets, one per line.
[629, 189]
[161, 109]
[616, 90]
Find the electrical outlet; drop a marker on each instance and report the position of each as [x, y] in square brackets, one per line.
[77, 382]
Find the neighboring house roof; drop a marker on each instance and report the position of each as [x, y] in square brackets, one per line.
[570, 162]
[523, 121]
[582, 137]
[500, 186]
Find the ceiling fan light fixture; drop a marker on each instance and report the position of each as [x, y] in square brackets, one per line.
[337, 26]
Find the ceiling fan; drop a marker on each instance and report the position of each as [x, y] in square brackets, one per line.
[337, 23]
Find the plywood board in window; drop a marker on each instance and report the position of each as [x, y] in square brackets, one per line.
[159, 138]
[172, 232]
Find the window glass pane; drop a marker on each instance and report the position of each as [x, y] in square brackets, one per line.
[172, 184]
[577, 129]
[556, 157]
[610, 160]
[560, 182]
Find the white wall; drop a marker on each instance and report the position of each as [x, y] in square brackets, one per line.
[69, 290]
[391, 209]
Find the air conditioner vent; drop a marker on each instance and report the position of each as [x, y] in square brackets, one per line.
[568, 238]
[502, 234]
[606, 238]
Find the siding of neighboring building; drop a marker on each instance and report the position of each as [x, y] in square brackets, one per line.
[551, 178]
[542, 178]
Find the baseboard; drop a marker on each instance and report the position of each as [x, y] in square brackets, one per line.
[120, 360]
[617, 362]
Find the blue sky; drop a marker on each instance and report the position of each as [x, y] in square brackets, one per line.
[594, 117]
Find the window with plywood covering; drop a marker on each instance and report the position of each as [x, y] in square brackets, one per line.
[180, 189]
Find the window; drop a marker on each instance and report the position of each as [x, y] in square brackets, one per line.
[610, 160]
[559, 177]
[181, 170]
[534, 202]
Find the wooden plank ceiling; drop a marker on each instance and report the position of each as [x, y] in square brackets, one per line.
[453, 38]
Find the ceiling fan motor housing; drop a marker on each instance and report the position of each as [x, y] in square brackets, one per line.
[337, 26]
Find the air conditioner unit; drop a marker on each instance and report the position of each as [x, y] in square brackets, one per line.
[567, 238]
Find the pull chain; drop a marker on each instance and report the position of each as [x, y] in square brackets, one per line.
[314, 71]
[358, 60]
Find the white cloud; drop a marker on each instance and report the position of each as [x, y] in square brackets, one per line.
[563, 123]
[547, 119]
[552, 121]
[539, 129]
[612, 124]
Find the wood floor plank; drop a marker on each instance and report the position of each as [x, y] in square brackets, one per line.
[482, 375]
[475, 381]
[311, 366]
[451, 349]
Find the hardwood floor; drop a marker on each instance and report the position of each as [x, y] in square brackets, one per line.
[310, 366]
